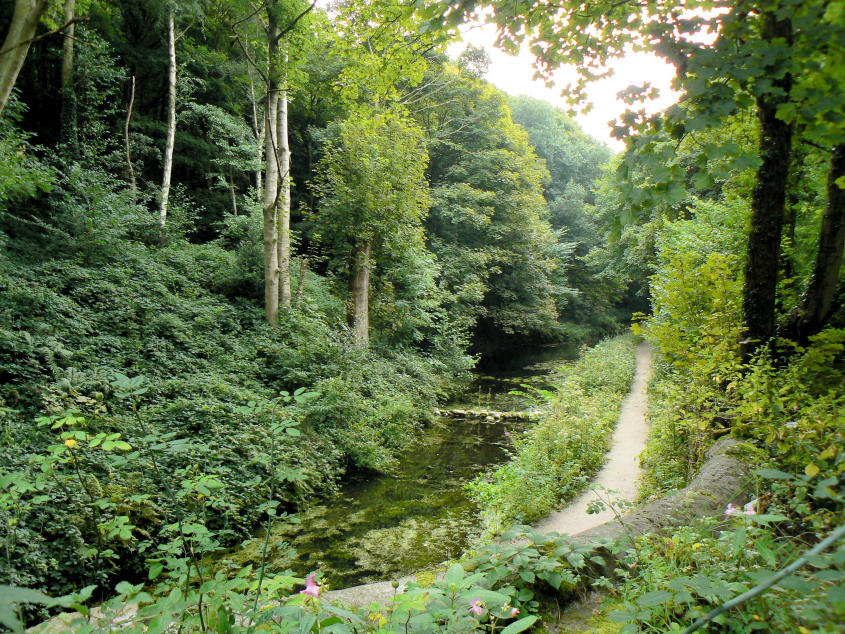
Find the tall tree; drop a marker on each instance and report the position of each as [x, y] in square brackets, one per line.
[820, 299]
[21, 33]
[69, 133]
[278, 19]
[488, 223]
[374, 195]
[171, 117]
[284, 200]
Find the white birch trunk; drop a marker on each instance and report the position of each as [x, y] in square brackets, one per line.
[171, 120]
[271, 175]
[283, 215]
[16, 45]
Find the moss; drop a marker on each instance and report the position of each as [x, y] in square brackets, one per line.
[426, 578]
[588, 615]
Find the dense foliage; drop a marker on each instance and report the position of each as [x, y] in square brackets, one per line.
[169, 384]
[141, 385]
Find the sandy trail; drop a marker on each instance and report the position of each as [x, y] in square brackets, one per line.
[621, 472]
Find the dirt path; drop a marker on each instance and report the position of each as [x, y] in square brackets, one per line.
[621, 472]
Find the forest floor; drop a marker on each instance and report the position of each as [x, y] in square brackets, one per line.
[621, 472]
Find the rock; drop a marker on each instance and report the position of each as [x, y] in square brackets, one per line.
[722, 479]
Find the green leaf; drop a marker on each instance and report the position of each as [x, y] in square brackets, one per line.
[490, 596]
[155, 570]
[653, 598]
[521, 625]
[773, 474]
[621, 616]
[454, 574]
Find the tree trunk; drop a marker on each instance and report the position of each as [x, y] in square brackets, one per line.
[762, 262]
[133, 182]
[284, 201]
[232, 191]
[819, 298]
[16, 45]
[797, 174]
[300, 289]
[171, 119]
[271, 174]
[258, 131]
[359, 312]
[68, 133]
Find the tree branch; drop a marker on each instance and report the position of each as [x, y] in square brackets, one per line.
[291, 26]
[32, 40]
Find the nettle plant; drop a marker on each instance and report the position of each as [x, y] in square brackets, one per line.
[766, 570]
[165, 522]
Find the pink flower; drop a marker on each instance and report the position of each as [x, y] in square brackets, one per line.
[749, 509]
[476, 607]
[507, 433]
[514, 612]
[311, 587]
[731, 509]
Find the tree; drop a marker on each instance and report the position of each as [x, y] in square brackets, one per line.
[171, 117]
[778, 56]
[277, 20]
[69, 124]
[488, 223]
[21, 33]
[820, 299]
[374, 195]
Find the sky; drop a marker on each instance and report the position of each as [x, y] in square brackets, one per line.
[514, 75]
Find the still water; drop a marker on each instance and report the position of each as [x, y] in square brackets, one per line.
[385, 525]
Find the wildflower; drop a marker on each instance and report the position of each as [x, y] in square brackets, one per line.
[311, 587]
[749, 509]
[507, 433]
[731, 509]
[514, 612]
[476, 607]
[70, 443]
[696, 545]
[791, 424]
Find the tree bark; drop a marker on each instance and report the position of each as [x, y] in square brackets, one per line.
[284, 201]
[16, 45]
[68, 133]
[359, 315]
[271, 173]
[762, 262]
[171, 119]
[300, 289]
[825, 277]
[819, 299]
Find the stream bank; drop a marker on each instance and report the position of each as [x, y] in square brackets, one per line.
[385, 525]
